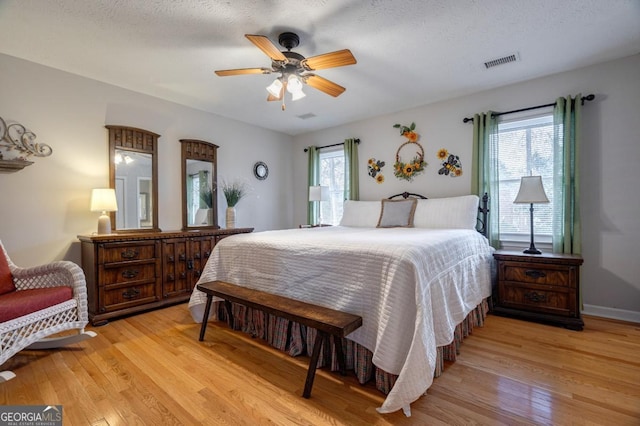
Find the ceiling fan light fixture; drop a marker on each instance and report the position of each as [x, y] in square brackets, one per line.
[298, 95]
[275, 88]
[294, 84]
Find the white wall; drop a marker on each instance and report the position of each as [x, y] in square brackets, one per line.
[610, 166]
[46, 205]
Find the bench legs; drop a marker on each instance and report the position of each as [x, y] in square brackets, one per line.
[321, 336]
[205, 317]
[313, 363]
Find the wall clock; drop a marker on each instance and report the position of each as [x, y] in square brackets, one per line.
[260, 170]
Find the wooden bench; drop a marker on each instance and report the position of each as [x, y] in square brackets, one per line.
[326, 321]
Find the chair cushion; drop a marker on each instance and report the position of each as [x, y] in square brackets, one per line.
[24, 302]
[6, 279]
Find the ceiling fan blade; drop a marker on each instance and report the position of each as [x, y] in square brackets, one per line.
[263, 43]
[243, 71]
[324, 85]
[339, 58]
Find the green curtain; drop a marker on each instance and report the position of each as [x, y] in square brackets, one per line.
[567, 114]
[484, 173]
[313, 180]
[351, 175]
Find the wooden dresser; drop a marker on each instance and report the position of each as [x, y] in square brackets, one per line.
[132, 272]
[543, 287]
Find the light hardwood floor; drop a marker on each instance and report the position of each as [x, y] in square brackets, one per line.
[151, 369]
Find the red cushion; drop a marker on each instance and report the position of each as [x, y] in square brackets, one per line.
[24, 302]
[6, 280]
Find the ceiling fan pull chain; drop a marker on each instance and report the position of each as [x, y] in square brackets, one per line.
[283, 105]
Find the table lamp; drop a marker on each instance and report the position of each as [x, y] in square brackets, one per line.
[104, 200]
[531, 191]
[319, 193]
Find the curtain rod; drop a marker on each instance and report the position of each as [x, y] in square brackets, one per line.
[496, 114]
[329, 146]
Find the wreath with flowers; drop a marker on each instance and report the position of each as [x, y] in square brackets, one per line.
[407, 170]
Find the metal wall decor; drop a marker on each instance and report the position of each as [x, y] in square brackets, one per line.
[17, 145]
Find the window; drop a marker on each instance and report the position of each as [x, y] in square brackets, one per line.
[525, 148]
[332, 175]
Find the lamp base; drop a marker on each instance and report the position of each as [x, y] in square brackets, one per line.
[104, 224]
[532, 251]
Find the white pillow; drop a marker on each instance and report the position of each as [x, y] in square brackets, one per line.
[364, 214]
[450, 213]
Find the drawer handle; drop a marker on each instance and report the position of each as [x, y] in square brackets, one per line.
[197, 255]
[130, 273]
[129, 254]
[170, 277]
[183, 275]
[182, 256]
[535, 297]
[171, 258]
[535, 274]
[131, 293]
[207, 253]
[196, 273]
[190, 264]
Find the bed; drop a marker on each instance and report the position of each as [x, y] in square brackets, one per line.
[416, 270]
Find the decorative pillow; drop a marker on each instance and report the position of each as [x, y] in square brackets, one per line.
[6, 279]
[447, 213]
[362, 214]
[397, 213]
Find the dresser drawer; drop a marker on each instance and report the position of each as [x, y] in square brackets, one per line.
[132, 273]
[118, 252]
[536, 274]
[118, 297]
[537, 299]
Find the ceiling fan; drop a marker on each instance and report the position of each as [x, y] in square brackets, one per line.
[294, 68]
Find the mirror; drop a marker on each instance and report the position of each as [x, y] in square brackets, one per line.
[199, 188]
[133, 173]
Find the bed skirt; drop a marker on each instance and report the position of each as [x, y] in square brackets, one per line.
[296, 339]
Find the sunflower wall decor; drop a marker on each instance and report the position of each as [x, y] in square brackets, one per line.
[375, 169]
[407, 170]
[451, 165]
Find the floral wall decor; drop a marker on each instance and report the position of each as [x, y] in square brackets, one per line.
[406, 170]
[451, 165]
[375, 169]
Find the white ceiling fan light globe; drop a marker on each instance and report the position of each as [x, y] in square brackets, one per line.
[275, 88]
[298, 95]
[294, 84]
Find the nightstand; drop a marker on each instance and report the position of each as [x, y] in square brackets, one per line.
[543, 287]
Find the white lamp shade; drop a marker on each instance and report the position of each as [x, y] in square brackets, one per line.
[318, 193]
[275, 88]
[531, 191]
[298, 95]
[294, 84]
[103, 200]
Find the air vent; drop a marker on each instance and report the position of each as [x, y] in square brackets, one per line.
[305, 116]
[501, 61]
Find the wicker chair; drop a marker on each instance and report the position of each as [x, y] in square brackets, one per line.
[31, 328]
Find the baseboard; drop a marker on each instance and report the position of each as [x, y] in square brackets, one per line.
[613, 313]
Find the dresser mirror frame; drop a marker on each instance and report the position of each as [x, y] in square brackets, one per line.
[199, 203]
[133, 173]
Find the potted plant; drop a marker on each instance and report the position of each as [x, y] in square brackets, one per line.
[233, 193]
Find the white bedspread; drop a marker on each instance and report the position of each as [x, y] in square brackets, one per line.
[411, 286]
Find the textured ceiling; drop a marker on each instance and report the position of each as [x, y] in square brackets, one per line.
[409, 52]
